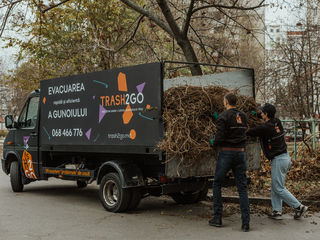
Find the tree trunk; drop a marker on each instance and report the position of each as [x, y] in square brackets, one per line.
[180, 36]
[190, 56]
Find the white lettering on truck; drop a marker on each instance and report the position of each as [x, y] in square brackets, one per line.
[68, 113]
[69, 88]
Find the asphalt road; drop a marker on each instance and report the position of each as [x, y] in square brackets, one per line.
[56, 209]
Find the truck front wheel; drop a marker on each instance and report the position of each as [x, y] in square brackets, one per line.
[15, 177]
[113, 197]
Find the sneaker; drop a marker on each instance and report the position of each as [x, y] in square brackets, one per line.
[300, 212]
[245, 228]
[275, 215]
[215, 222]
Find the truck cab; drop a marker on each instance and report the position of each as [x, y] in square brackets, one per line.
[23, 138]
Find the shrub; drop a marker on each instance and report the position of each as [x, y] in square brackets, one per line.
[3, 133]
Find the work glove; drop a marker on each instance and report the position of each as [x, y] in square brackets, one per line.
[215, 115]
[255, 113]
[212, 141]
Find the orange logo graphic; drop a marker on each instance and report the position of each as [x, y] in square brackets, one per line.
[127, 115]
[44, 100]
[28, 165]
[133, 134]
[239, 120]
[122, 82]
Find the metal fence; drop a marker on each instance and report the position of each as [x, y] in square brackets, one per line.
[305, 130]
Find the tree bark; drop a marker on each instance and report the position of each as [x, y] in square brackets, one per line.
[190, 56]
[181, 37]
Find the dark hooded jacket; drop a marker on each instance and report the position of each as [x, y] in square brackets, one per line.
[271, 136]
[231, 129]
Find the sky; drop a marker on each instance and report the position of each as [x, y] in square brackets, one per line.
[284, 12]
[7, 54]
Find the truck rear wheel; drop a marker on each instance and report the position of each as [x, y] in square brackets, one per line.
[186, 197]
[113, 197]
[15, 177]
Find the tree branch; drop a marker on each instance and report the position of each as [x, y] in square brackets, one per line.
[56, 5]
[186, 23]
[169, 17]
[234, 20]
[132, 35]
[149, 15]
[38, 6]
[229, 7]
[4, 23]
[11, 3]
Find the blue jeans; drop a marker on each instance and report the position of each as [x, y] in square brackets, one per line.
[279, 168]
[235, 160]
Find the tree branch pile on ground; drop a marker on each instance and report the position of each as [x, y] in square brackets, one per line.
[302, 180]
[305, 168]
[189, 121]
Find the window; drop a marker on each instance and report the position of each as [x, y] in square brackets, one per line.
[22, 117]
[271, 30]
[32, 114]
[29, 114]
[278, 30]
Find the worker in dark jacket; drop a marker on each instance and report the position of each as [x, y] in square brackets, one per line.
[274, 147]
[231, 139]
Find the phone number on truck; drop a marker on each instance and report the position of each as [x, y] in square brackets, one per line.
[67, 132]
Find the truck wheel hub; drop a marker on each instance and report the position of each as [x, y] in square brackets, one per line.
[110, 193]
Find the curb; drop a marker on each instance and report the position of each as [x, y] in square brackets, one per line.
[260, 200]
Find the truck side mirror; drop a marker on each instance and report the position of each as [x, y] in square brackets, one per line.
[9, 121]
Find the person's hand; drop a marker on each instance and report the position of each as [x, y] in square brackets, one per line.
[256, 113]
[215, 115]
[212, 141]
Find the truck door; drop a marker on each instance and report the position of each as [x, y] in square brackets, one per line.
[27, 138]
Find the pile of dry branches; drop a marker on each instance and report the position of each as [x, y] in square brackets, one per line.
[188, 116]
[303, 178]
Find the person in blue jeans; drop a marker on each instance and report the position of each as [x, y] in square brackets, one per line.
[274, 147]
[230, 138]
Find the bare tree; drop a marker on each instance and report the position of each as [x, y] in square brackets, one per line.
[178, 25]
[8, 6]
[293, 66]
[174, 17]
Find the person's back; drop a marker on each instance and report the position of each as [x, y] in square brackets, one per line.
[272, 138]
[231, 129]
[230, 138]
